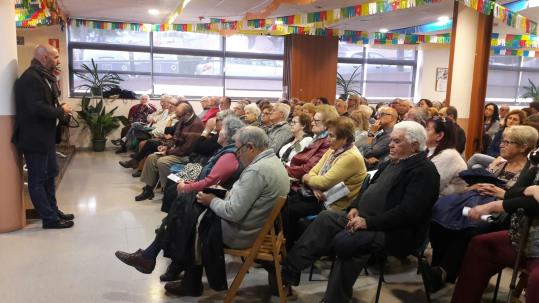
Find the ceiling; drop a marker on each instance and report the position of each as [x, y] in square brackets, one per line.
[197, 10]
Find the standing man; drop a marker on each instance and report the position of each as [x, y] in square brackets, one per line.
[38, 113]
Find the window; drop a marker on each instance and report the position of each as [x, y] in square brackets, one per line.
[507, 77]
[182, 63]
[381, 74]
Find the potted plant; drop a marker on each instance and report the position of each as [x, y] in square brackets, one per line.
[97, 81]
[346, 84]
[100, 121]
[531, 91]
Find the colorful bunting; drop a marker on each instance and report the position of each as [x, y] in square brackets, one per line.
[516, 52]
[514, 41]
[32, 13]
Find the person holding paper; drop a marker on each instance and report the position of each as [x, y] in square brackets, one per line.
[342, 162]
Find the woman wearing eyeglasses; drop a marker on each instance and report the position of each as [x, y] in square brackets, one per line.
[300, 126]
[449, 243]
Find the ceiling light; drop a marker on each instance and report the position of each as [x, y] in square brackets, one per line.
[384, 30]
[443, 18]
[153, 11]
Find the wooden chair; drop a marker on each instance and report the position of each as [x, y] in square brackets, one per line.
[268, 246]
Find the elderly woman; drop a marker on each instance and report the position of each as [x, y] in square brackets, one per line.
[489, 253]
[361, 127]
[300, 127]
[303, 161]
[341, 163]
[449, 242]
[252, 114]
[353, 103]
[309, 109]
[341, 108]
[441, 142]
[424, 103]
[391, 215]
[222, 169]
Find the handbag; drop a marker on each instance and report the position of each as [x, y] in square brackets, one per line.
[190, 172]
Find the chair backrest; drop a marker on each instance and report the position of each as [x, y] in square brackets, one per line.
[270, 221]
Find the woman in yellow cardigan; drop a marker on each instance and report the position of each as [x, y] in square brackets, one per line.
[341, 163]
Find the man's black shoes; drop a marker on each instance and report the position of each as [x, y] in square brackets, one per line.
[65, 217]
[57, 224]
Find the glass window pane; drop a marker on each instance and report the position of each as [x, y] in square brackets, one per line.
[346, 70]
[525, 81]
[188, 86]
[140, 84]
[119, 61]
[254, 88]
[254, 68]
[91, 35]
[383, 72]
[387, 53]
[255, 44]
[187, 40]
[388, 90]
[531, 62]
[501, 84]
[186, 65]
[504, 60]
[347, 50]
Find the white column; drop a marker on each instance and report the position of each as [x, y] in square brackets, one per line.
[11, 208]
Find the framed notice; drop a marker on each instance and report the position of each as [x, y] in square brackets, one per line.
[441, 79]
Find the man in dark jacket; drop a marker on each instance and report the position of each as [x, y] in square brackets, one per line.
[37, 116]
[157, 165]
[392, 215]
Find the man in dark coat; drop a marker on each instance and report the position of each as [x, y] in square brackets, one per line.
[37, 116]
[392, 215]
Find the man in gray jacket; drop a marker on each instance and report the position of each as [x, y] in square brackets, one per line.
[247, 206]
[279, 132]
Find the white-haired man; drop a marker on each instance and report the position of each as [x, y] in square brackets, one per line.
[279, 132]
[391, 215]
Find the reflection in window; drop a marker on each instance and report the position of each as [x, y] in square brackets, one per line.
[187, 40]
[117, 61]
[186, 65]
[507, 77]
[140, 84]
[92, 35]
[243, 67]
[255, 44]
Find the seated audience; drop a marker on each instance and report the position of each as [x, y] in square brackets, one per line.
[452, 114]
[353, 102]
[303, 161]
[448, 241]
[490, 253]
[309, 109]
[319, 101]
[205, 103]
[418, 114]
[138, 113]
[424, 103]
[213, 109]
[300, 127]
[437, 104]
[279, 131]
[491, 124]
[252, 115]
[361, 127]
[402, 107]
[225, 103]
[392, 214]
[503, 111]
[432, 112]
[157, 165]
[341, 163]
[449, 163]
[239, 108]
[265, 121]
[378, 149]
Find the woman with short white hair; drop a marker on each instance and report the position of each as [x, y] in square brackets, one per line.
[252, 112]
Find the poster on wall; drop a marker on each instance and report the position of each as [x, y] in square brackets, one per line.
[441, 79]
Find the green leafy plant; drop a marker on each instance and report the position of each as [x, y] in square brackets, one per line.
[97, 81]
[531, 91]
[100, 121]
[346, 84]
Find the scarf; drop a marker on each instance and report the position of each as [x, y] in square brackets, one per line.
[48, 76]
[329, 162]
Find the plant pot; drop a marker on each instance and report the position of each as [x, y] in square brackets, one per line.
[96, 91]
[98, 145]
[344, 96]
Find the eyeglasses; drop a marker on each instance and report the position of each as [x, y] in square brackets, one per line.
[507, 142]
[380, 115]
[239, 149]
[293, 122]
[317, 121]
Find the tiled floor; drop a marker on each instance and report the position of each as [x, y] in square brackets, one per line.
[78, 264]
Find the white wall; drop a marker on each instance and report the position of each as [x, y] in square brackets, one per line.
[432, 57]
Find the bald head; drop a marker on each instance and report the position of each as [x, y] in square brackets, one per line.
[47, 55]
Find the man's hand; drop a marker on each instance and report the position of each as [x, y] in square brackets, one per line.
[375, 126]
[162, 148]
[356, 224]
[204, 199]
[490, 190]
[372, 160]
[67, 108]
[532, 191]
[352, 213]
[305, 179]
[168, 136]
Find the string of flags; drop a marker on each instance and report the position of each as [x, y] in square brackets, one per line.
[503, 14]
[33, 13]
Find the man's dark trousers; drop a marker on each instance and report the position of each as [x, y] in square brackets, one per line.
[42, 170]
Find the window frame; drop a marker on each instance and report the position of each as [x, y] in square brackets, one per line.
[520, 69]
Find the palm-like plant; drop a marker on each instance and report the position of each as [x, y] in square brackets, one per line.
[97, 81]
[531, 91]
[100, 121]
[346, 84]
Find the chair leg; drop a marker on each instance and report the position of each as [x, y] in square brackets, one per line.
[498, 279]
[278, 276]
[311, 272]
[380, 280]
[420, 270]
[237, 280]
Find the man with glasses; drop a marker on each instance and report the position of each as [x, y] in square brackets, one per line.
[279, 132]
[378, 149]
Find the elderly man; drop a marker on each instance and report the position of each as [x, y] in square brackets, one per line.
[417, 114]
[37, 114]
[246, 207]
[279, 131]
[380, 130]
[213, 109]
[391, 215]
[157, 165]
[503, 111]
[224, 103]
[137, 113]
[239, 108]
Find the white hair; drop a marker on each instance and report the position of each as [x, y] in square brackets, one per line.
[413, 132]
[253, 109]
[254, 135]
[283, 108]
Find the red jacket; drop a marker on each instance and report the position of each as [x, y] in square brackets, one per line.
[307, 159]
[212, 112]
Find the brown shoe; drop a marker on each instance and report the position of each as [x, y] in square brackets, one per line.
[136, 260]
[129, 164]
[177, 288]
